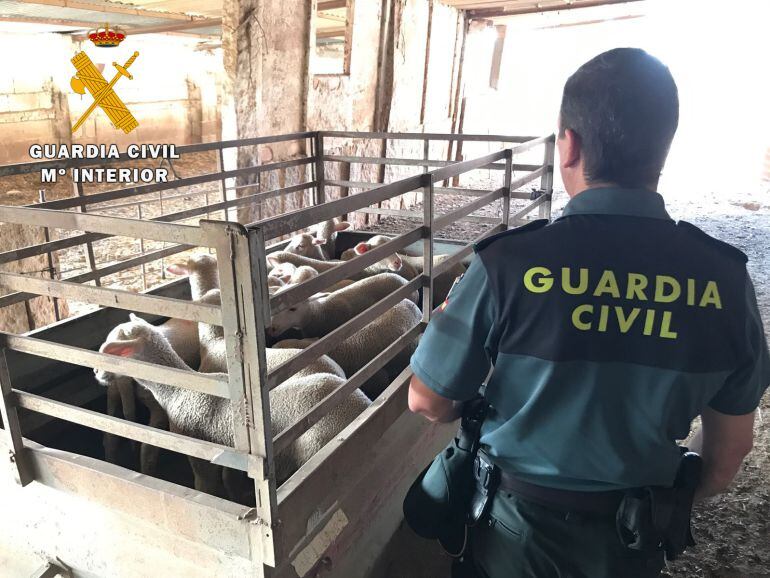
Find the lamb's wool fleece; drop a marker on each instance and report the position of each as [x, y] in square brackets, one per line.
[202, 271]
[290, 400]
[214, 352]
[325, 312]
[209, 418]
[360, 348]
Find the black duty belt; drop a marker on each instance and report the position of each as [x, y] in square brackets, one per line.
[568, 500]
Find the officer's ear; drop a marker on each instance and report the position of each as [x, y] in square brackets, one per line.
[569, 145]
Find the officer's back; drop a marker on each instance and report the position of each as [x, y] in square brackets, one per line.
[606, 332]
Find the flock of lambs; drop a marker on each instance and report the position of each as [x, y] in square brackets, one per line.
[196, 346]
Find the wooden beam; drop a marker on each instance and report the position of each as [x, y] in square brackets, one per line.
[331, 4]
[110, 8]
[335, 32]
[511, 10]
[170, 27]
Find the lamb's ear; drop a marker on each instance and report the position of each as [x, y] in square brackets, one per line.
[361, 248]
[136, 319]
[319, 241]
[272, 261]
[121, 348]
[341, 226]
[177, 269]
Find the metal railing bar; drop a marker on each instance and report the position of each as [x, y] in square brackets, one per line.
[36, 166]
[302, 218]
[327, 404]
[342, 271]
[115, 194]
[449, 218]
[429, 136]
[418, 215]
[174, 442]
[13, 298]
[192, 380]
[466, 250]
[117, 298]
[155, 230]
[334, 338]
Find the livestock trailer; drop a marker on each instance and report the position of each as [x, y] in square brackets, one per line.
[63, 508]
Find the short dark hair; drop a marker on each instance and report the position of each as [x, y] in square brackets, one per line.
[624, 106]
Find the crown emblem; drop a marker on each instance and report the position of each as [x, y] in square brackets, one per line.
[107, 37]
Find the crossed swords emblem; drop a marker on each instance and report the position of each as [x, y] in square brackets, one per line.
[89, 77]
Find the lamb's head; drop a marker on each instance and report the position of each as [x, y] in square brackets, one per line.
[294, 316]
[140, 340]
[202, 270]
[304, 244]
[206, 331]
[302, 274]
[392, 262]
[282, 271]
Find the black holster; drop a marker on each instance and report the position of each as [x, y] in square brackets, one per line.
[653, 517]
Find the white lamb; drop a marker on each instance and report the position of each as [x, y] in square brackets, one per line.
[202, 271]
[360, 348]
[324, 312]
[391, 262]
[214, 351]
[122, 391]
[210, 418]
[306, 245]
[327, 231]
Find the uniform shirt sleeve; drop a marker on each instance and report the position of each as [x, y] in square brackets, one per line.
[457, 349]
[744, 388]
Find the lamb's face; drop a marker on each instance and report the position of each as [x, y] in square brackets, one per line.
[283, 272]
[392, 262]
[293, 317]
[303, 244]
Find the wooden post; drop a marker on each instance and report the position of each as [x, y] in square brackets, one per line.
[546, 181]
[427, 268]
[245, 312]
[507, 194]
[11, 426]
[320, 193]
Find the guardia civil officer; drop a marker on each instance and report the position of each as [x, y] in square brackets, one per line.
[606, 333]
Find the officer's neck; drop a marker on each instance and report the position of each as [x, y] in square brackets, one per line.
[583, 185]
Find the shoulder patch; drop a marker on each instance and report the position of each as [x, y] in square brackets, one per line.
[725, 248]
[531, 226]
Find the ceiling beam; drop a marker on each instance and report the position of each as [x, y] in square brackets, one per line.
[110, 8]
[331, 4]
[511, 10]
[330, 32]
[170, 27]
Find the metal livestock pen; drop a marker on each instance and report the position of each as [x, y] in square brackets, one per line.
[71, 509]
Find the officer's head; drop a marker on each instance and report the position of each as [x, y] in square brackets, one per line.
[619, 113]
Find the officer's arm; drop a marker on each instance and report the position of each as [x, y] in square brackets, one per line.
[428, 403]
[456, 351]
[723, 441]
[727, 433]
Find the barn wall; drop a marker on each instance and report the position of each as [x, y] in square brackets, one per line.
[415, 42]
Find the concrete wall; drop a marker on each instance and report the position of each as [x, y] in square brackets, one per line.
[174, 93]
[403, 77]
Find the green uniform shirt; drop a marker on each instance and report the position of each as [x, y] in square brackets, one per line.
[606, 333]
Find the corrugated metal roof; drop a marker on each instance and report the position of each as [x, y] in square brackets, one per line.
[92, 13]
